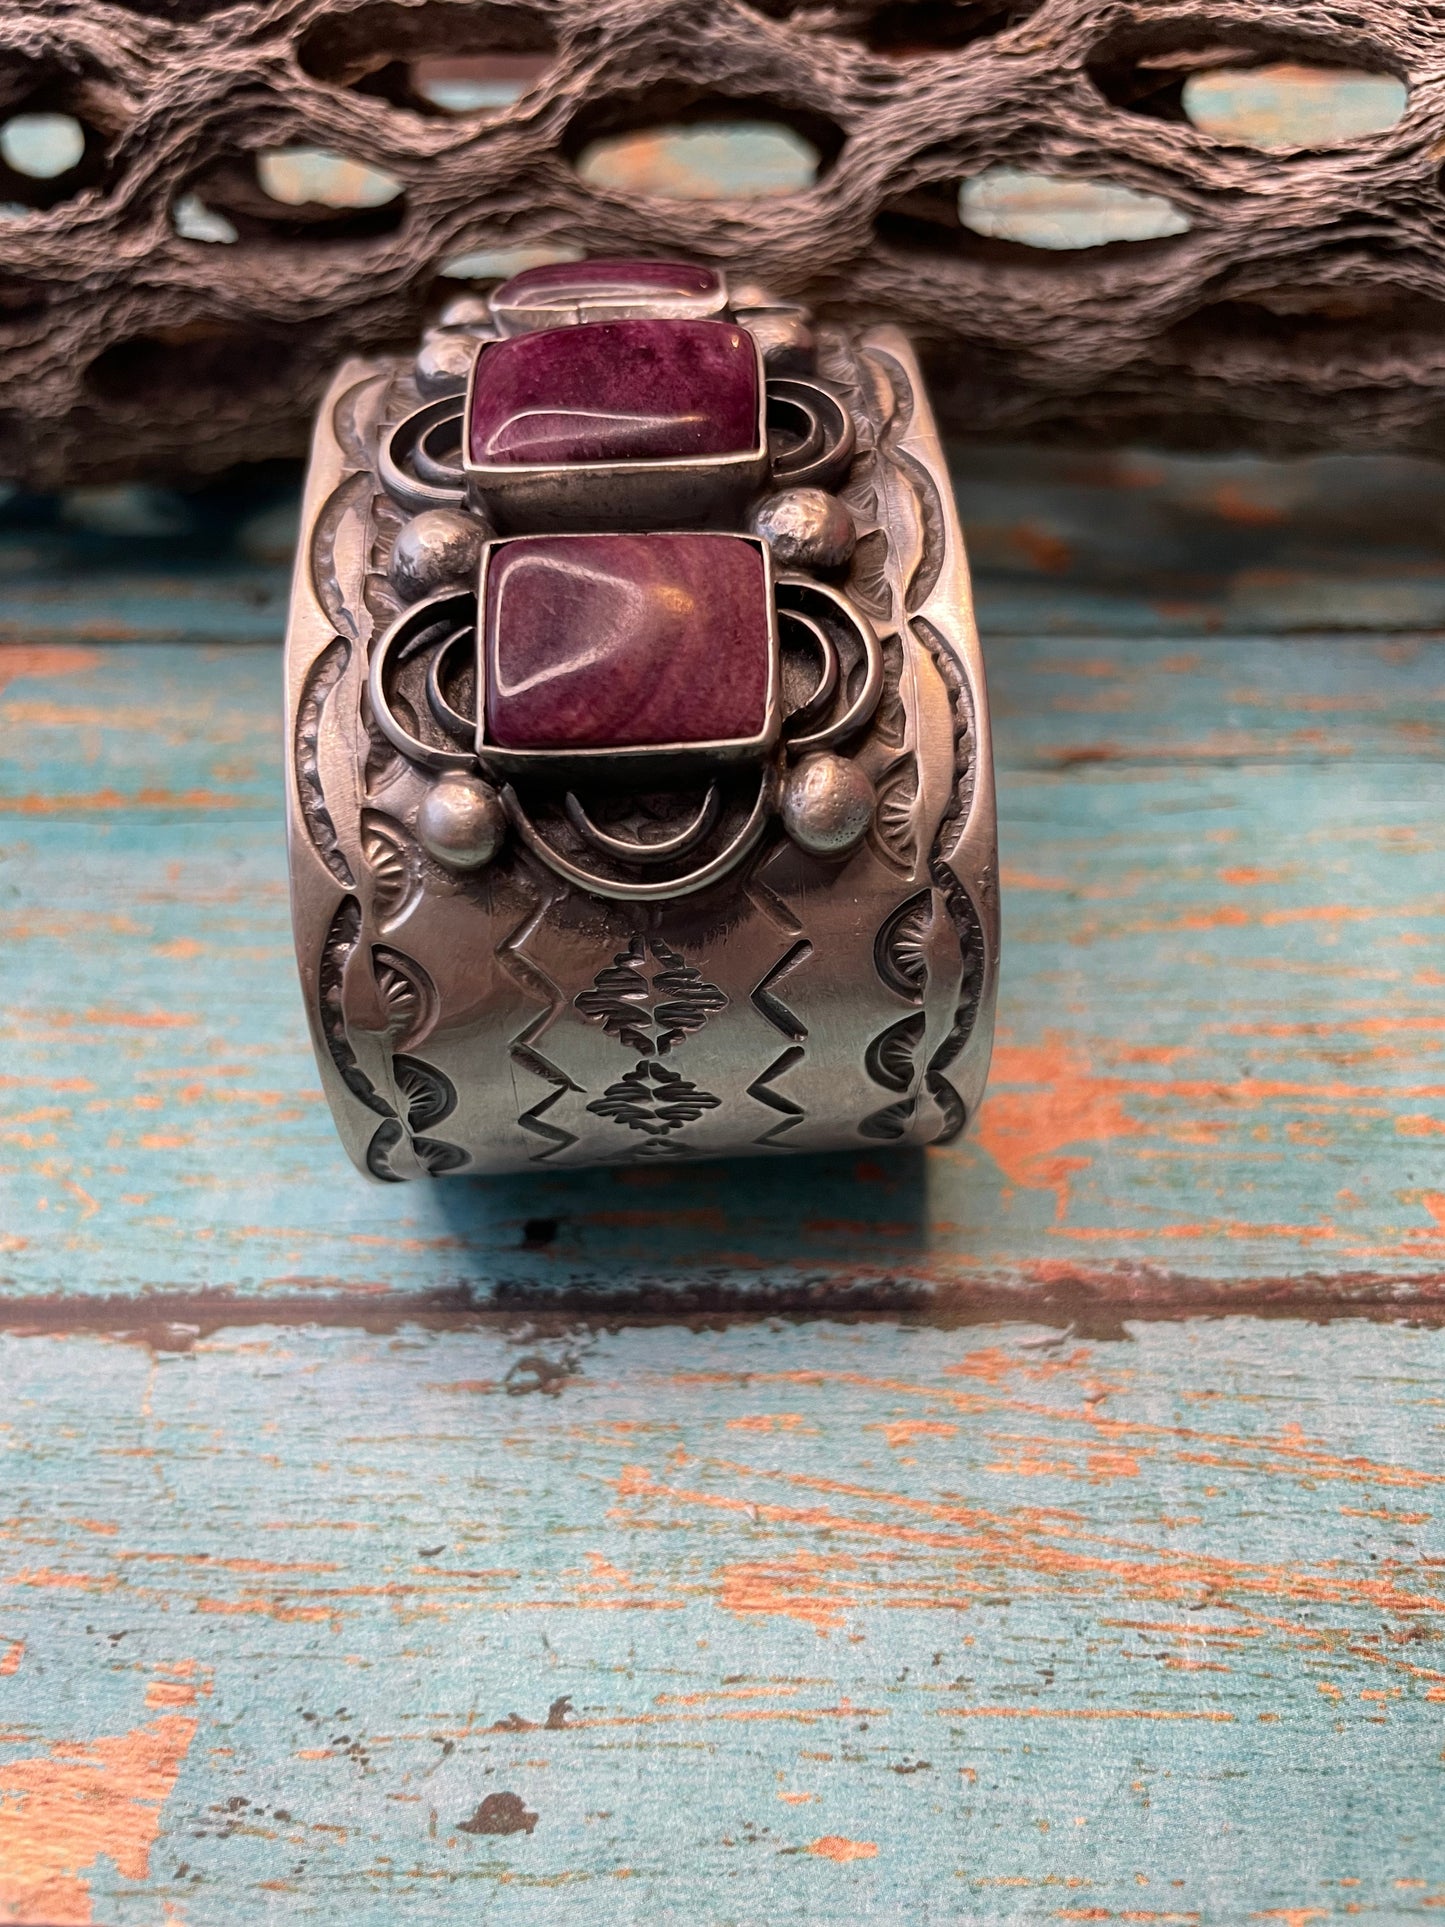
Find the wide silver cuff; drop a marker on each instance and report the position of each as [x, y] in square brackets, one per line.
[642, 955]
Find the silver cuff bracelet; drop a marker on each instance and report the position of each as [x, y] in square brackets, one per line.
[640, 793]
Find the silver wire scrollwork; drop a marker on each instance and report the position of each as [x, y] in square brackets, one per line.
[810, 443]
[560, 824]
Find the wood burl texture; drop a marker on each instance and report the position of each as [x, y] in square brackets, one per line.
[1302, 307]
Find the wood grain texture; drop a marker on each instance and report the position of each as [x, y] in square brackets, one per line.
[819, 1623]
[1220, 1071]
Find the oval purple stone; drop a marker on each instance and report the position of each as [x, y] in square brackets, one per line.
[625, 641]
[613, 391]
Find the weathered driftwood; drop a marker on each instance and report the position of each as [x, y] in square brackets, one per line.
[1303, 307]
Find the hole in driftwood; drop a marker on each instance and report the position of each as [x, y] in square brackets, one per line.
[925, 217]
[500, 262]
[189, 370]
[180, 11]
[434, 58]
[674, 144]
[1286, 104]
[485, 84]
[194, 221]
[1257, 89]
[42, 146]
[291, 194]
[926, 220]
[317, 177]
[23, 306]
[718, 161]
[902, 29]
[1052, 212]
[48, 154]
[921, 27]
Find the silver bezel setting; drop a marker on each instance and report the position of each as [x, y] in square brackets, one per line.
[650, 760]
[555, 498]
[636, 304]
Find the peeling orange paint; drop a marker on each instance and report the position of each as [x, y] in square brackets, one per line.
[1034, 1460]
[11, 1657]
[60, 1813]
[725, 1693]
[794, 1588]
[109, 802]
[995, 1366]
[1287, 1447]
[170, 1692]
[834, 1846]
[904, 1431]
[44, 660]
[1085, 1713]
[1048, 1544]
[1043, 1098]
[767, 1422]
[268, 1607]
[1050, 1112]
[179, 1685]
[48, 1580]
[604, 1573]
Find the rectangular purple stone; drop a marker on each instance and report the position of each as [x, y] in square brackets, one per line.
[596, 642]
[615, 391]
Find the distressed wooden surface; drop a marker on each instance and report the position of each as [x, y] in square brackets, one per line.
[704, 1515]
[1222, 1024]
[817, 1622]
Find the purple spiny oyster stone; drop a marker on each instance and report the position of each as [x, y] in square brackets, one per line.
[561, 284]
[612, 391]
[625, 641]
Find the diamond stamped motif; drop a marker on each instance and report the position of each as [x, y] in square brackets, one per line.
[616, 391]
[605, 642]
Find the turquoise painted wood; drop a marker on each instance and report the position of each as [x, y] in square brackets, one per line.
[824, 1623]
[1222, 1016]
[865, 1538]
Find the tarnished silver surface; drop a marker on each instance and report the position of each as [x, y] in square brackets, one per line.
[490, 984]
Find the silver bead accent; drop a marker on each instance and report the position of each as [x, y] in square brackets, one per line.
[806, 528]
[466, 311]
[785, 338]
[433, 549]
[444, 363]
[461, 821]
[749, 294]
[827, 804]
